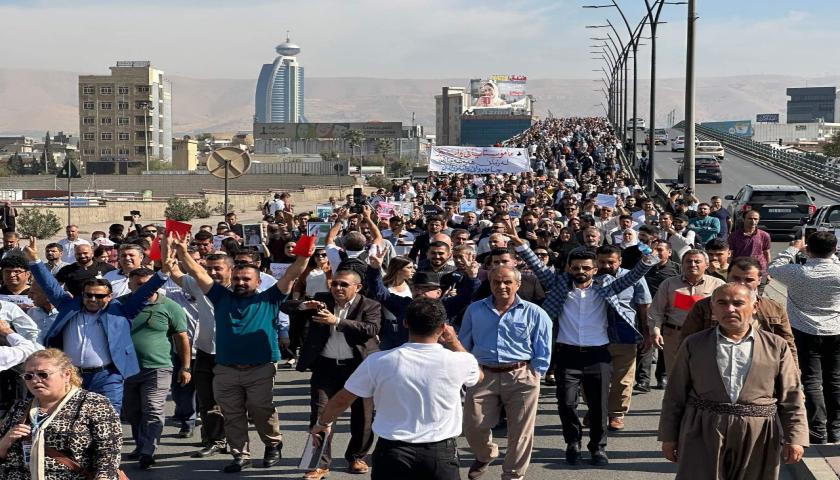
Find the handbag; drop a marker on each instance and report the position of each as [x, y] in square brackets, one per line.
[74, 466]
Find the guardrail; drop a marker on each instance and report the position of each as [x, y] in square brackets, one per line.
[823, 170]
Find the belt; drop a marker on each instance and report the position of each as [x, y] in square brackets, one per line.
[242, 366]
[504, 368]
[336, 361]
[579, 348]
[672, 326]
[94, 369]
[739, 409]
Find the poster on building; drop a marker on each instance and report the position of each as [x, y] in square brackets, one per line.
[498, 90]
[323, 131]
[741, 128]
[479, 160]
[767, 118]
[511, 87]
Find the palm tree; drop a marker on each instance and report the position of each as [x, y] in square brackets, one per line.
[354, 138]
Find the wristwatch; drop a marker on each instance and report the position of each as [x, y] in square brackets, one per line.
[322, 425]
[186, 369]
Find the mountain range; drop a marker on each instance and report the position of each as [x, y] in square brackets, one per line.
[33, 101]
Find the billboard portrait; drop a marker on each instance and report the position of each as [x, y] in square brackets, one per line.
[488, 96]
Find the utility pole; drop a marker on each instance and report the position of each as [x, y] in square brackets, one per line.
[688, 160]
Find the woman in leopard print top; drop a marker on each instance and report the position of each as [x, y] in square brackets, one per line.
[84, 426]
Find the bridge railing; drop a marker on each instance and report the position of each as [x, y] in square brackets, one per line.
[823, 170]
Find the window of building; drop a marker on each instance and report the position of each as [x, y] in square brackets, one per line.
[88, 90]
[88, 105]
[140, 120]
[89, 136]
[106, 136]
[89, 151]
[125, 136]
[106, 90]
[139, 150]
[123, 121]
[122, 105]
[106, 120]
[105, 151]
[122, 90]
[105, 105]
[88, 121]
[142, 89]
[124, 151]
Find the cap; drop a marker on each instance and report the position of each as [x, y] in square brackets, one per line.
[426, 279]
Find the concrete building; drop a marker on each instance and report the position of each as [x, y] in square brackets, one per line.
[279, 96]
[184, 154]
[449, 106]
[123, 116]
[798, 134]
[813, 104]
[487, 130]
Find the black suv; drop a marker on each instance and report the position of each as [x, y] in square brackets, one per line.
[783, 208]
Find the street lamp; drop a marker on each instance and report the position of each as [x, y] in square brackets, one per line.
[147, 107]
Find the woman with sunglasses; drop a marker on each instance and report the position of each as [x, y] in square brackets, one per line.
[79, 430]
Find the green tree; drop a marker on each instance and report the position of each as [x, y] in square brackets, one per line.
[34, 222]
[384, 146]
[379, 181]
[354, 138]
[179, 209]
[832, 148]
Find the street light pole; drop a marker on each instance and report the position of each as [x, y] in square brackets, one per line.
[688, 160]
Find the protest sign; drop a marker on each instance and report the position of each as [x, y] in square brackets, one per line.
[516, 210]
[253, 234]
[179, 229]
[479, 160]
[304, 243]
[468, 205]
[385, 210]
[639, 216]
[323, 211]
[278, 269]
[603, 200]
[319, 230]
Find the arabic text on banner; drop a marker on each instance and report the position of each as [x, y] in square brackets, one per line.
[479, 160]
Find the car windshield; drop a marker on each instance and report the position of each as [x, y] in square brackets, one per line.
[782, 196]
[660, 130]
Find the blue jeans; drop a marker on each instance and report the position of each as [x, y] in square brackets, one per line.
[183, 396]
[108, 382]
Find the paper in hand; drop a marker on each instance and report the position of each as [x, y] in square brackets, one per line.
[304, 244]
[313, 450]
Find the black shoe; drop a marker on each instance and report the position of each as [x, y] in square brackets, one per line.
[662, 384]
[550, 380]
[642, 387]
[816, 438]
[599, 458]
[833, 437]
[133, 456]
[272, 455]
[573, 454]
[186, 432]
[237, 465]
[208, 451]
[145, 462]
[477, 469]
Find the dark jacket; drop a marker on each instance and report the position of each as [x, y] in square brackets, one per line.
[360, 330]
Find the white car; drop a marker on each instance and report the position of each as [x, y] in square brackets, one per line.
[639, 123]
[710, 147]
[678, 144]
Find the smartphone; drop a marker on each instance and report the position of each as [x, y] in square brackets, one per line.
[128, 218]
[135, 212]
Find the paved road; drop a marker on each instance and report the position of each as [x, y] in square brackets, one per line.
[634, 453]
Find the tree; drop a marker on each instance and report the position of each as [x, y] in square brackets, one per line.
[384, 146]
[33, 222]
[832, 148]
[354, 138]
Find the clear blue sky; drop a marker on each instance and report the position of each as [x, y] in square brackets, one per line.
[409, 38]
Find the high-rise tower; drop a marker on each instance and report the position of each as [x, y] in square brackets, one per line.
[280, 87]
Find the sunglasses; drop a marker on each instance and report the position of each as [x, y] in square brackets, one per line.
[98, 296]
[149, 231]
[338, 284]
[541, 254]
[320, 254]
[29, 376]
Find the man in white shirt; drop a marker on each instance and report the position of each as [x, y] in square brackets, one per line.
[417, 435]
[69, 244]
[130, 258]
[18, 349]
[276, 205]
[23, 325]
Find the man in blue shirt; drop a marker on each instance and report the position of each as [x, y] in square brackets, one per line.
[247, 349]
[705, 226]
[511, 339]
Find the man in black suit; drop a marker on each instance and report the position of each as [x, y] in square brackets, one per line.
[342, 333]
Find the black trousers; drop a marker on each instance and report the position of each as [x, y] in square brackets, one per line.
[212, 420]
[590, 368]
[819, 363]
[328, 377]
[644, 362]
[415, 461]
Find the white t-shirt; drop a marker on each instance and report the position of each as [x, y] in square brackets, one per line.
[427, 380]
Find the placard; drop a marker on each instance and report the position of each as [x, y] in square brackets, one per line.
[323, 211]
[253, 234]
[319, 230]
[430, 209]
[385, 210]
[603, 200]
[468, 205]
[479, 160]
[639, 216]
[515, 210]
[278, 269]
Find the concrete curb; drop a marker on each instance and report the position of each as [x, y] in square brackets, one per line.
[811, 468]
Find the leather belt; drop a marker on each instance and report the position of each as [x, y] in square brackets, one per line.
[739, 409]
[582, 349]
[94, 369]
[672, 326]
[504, 368]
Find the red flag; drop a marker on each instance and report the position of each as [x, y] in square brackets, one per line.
[177, 228]
[685, 302]
[154, 251]
[304, 244]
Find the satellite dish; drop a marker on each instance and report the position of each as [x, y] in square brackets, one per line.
[228, 162]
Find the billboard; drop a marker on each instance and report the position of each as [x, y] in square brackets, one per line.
[741, 128]
[325, 131]
[767, 118]
[498, 90]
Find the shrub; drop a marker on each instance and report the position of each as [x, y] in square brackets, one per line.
[179, 209]
[379, 181]
[34, 222]
[202, 209]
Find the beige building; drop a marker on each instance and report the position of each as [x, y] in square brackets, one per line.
[449, 106]
[125, 118]
[184, 154]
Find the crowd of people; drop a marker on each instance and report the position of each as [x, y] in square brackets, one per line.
[426, 325]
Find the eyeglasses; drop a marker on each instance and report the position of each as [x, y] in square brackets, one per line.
[16, 272]
[29, 376]
[320, 254]
[337, 284]
[541, 254]
[98, 296]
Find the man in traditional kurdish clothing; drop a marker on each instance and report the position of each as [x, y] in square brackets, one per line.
[719, 416]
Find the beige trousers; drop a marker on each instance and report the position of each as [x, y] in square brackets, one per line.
[245, 391]
[623, 376]
[518, 392]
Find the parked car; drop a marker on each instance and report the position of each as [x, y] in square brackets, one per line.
[706, 170]
[783, 208]
[678, 144]
[825, 219]
[711, 147]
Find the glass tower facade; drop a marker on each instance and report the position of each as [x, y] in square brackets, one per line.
[280, 88]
